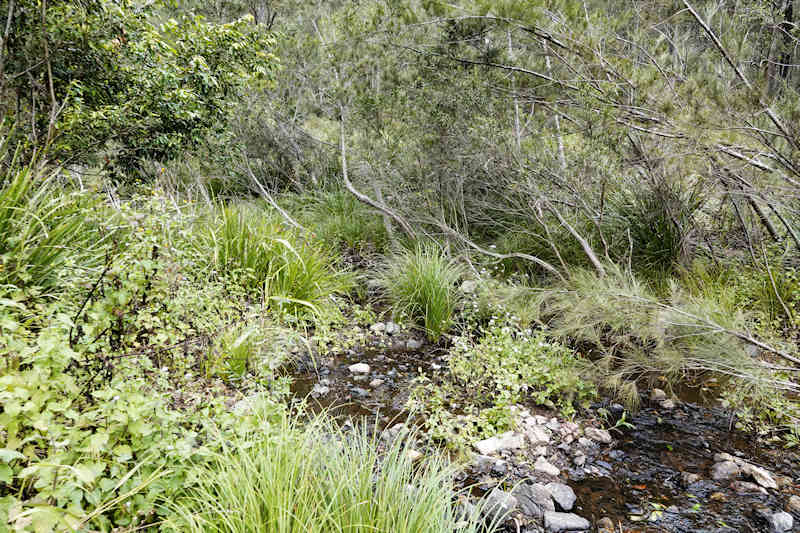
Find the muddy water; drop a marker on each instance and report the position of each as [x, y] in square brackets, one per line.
[642, 488]
[640, 484]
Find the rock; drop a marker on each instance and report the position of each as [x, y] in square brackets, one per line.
[413, 455]
[579, 460]
[359, 368]
[761, 476]
[599, 435]
[718, 497]
[605, 525]
[793, 505]
[505, 441]
[378, 327]
[564, 522]
[499, 505]
[320, 390]
[358, 391]
[534, 500]
[586, 443]
[469, 286]
[725, 470]
[541, 450]
[745, 487]
[657, 395]
[542, 465]
[391, 328]
[720, 457]
[413, 344]
[562, 494]
[667, 404]
[689, 478]
[537, 435]
[376, 383]
[482, 464]
[780, 522]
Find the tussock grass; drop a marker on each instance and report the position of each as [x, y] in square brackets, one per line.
[635, 335]
[286, 478]
[44, 229]
[421, 284]
[251, 245]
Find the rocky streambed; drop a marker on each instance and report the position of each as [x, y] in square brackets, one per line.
[674, 466]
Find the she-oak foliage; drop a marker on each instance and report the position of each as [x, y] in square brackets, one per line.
[86, 73]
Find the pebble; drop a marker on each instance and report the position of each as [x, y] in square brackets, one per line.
[376, 383]
[541, 450]
[358, 391]
[534, 499]
[469, 286]
[689, 478]
[725, 470]
[657, 395]
[599, 435]
[499, 504]
[413, 344]
[543, 465]
[391, 328]
[605, 525]
[378, 327]
[745, 487]
[579, 460]
[667, 404]
[359, 368]
[554, 522]
[780, 522]
[320, 390]
[413, 455]
[505, 441]
[562, 494]
[793, 505]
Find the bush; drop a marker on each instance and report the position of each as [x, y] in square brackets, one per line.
[421, 284]
[504, 368]
[285, 477]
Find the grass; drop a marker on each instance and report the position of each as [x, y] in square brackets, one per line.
[421, 284]
[285, 478]
[43, 229]
[248, 244]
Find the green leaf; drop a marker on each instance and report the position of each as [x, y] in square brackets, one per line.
[7, 455]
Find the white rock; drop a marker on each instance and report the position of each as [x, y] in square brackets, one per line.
[761, 476]
[562, 494]
[505, 441]
[378, 327]
[543, 465]
[359, 368]
[413, 455]
[469, 286]
[657, 395]
[554, 522]
[725, 470]
[376, 383]
[793, 505]
[780, 522]
[599, 435]
[534, 500]
[537, 435]
[667, 404]
[541, 450]
[392, 328]
[413, 344]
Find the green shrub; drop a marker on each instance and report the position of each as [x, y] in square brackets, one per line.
[421, 284]
[504, 368]
[286, 478]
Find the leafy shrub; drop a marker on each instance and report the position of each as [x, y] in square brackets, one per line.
[285, 477]
[504, 368]
[249, 246]
[421, 284]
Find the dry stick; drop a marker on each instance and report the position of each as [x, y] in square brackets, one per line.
[533, 259]
[363, 197]
[718, 328]
[587, 249]
[772, 116]
[774, 286]
[268, 197]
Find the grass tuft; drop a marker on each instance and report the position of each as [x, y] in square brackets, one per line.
[421, 284]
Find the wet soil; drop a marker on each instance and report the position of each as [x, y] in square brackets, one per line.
[638, 482]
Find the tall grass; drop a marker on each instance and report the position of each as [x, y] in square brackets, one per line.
[421, 284]
[285, 478]
[250, 245]
[43, 228]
